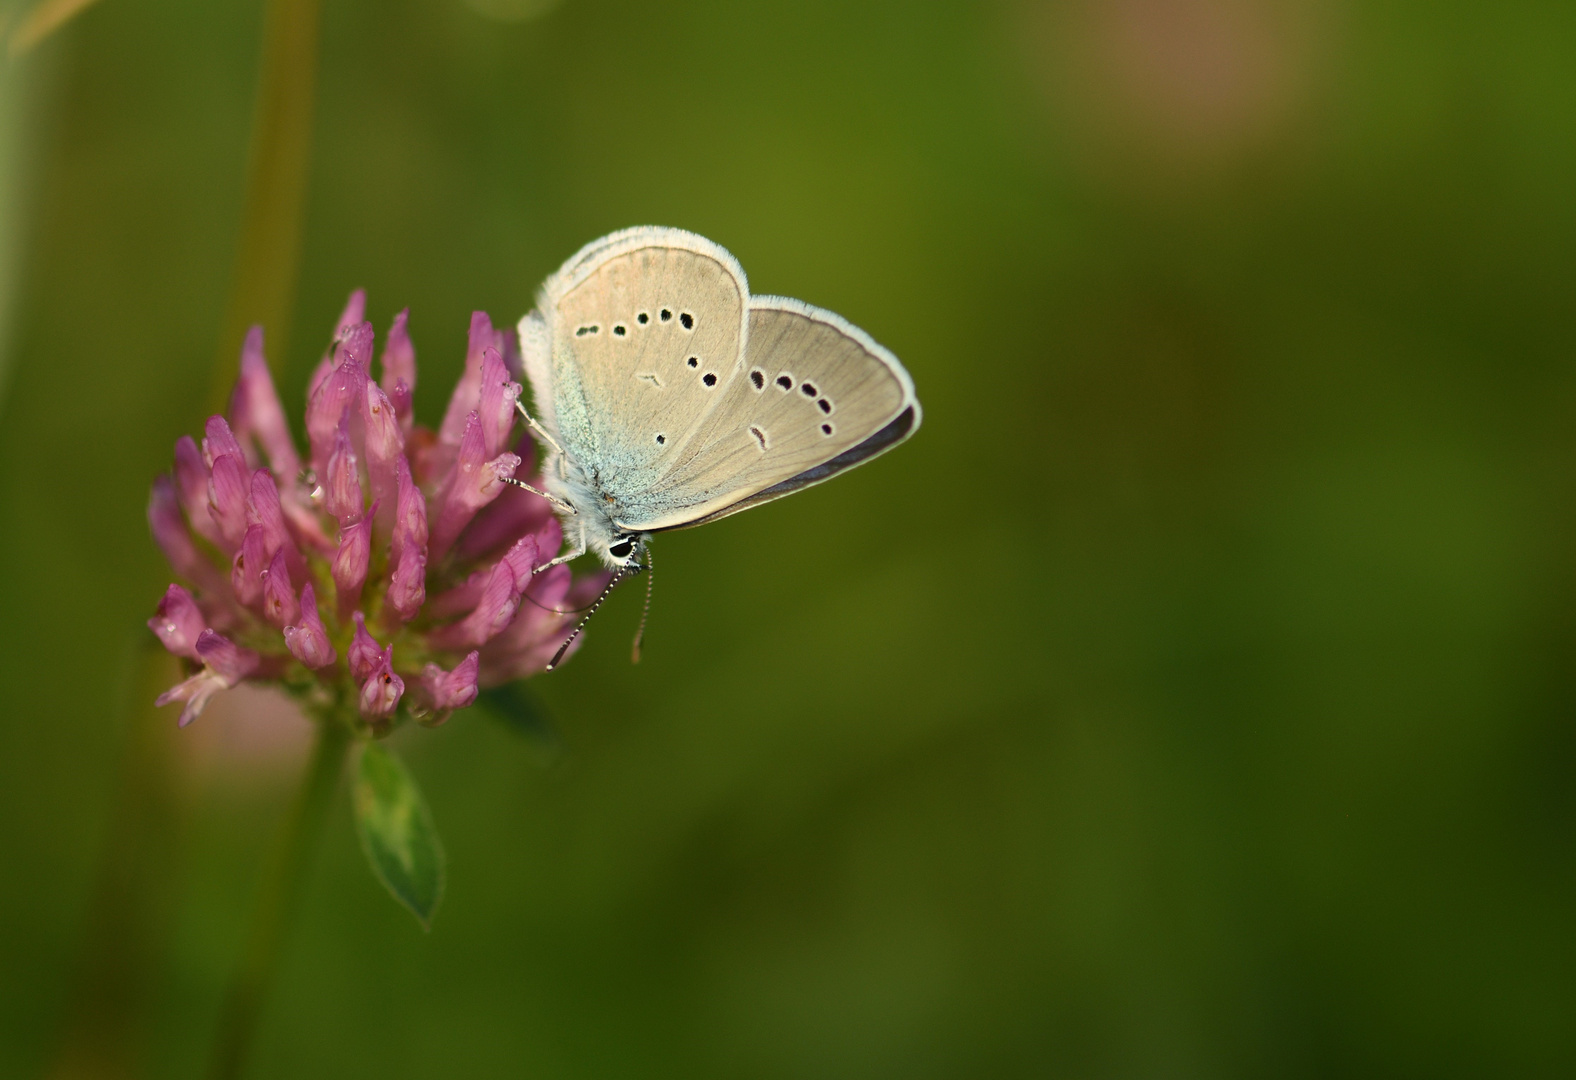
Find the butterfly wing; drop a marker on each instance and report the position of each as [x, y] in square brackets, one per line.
[637, 338]
[814, 395]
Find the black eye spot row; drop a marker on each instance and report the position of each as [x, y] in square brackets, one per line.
[693, 362]
[686, 320]
[709, 379]
[785, 383]
[760, 436]
[757, 379]
[662, 440]
[826, 429]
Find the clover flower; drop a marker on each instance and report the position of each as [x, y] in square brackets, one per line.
[392, 573]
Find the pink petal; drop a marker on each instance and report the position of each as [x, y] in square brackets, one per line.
[256, 412]
[179, 622]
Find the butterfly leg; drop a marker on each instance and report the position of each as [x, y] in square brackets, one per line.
[575, 554]
[555, 500]
[530, 422]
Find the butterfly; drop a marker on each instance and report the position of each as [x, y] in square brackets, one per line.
[666, 396]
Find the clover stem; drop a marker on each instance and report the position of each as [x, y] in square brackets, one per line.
[280, 889]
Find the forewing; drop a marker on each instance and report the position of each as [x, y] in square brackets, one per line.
[815, 395]
[645, 329]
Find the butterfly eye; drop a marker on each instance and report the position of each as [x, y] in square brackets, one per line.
[621, 549]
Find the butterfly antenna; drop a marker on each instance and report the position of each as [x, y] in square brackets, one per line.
[559, 655]
[640, 631]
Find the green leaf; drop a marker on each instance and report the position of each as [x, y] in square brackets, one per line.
[523, 713]
[397, 832]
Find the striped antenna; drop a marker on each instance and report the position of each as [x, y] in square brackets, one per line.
[559, 655]
[640, 631]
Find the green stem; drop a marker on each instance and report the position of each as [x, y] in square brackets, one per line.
[281, 888]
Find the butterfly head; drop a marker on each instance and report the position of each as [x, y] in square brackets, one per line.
[624, 550]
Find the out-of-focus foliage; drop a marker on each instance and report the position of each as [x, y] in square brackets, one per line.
[1194, 695]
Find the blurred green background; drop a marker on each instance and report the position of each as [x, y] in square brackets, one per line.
[1194, 696]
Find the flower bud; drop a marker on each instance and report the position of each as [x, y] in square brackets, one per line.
[499, 599]
[467, 391]
[523, 557]
[496, 407]
[381, 692]
[410, 516]
[341, 484]
[338, 395]
[308, 640]
[263, 509]
[364, 652]
[354, 315]
[246, 570]
[224, 658]
[399, 363]
[404, 400]
[320, 374]
[279, 599]
[179, 623]
[228, 488]
[385, 444]
[445, 691]
[351, 562]
[175, 540]
[407, 585]
[218, 439]
[472, 484]
[463, 598]
[191, 482]
[255, 409]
